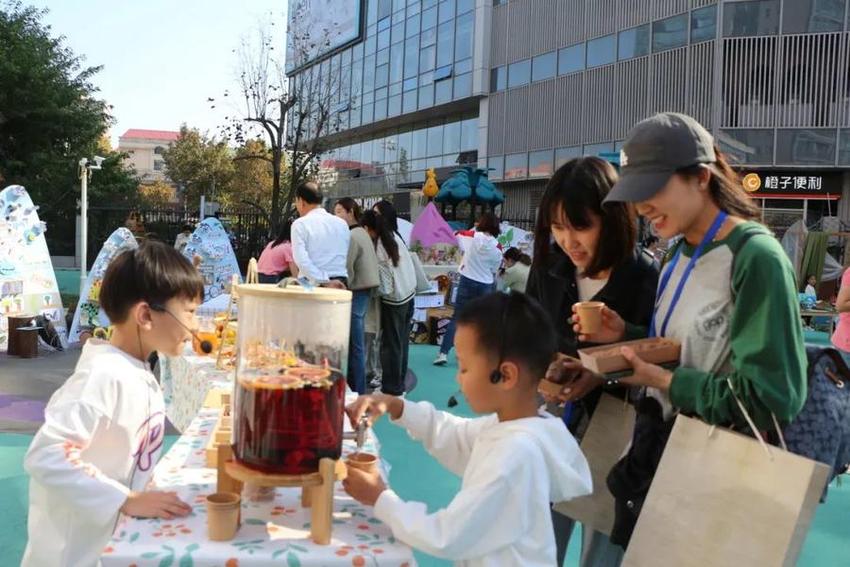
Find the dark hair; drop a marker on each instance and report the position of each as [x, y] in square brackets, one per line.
[186, 227]
[386, 210]
[309, 192]
[578, 189]
[515, 255]
[489, 223]
[351, 206]
[725, 187]
[154, 272]
[376, 222]
[284, 234]
[532, 342]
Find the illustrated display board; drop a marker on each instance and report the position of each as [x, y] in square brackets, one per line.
[89, 316]
[218, 262]
[27, 282]
[513, 237]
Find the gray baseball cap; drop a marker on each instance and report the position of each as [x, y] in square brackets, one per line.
[654, 150]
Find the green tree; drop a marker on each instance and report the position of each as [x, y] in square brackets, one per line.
[201, 165]
[50, 117]
[253, 176]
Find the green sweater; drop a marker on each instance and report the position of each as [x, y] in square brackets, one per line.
[749, 332]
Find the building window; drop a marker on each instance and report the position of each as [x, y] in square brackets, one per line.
[598, 149]
[544, 66]
[633, 43]
[805, 147]
[442, 73]
[445, 44]
[159, 150]
[463, 37]
[498, 79]
[748, 146]
[469, 135]
[463, 86]
[496, 167]
[159, 165]
[704, 24]
[519, 73]
[429, 18]
[571, 59]
[670, 33]
[759, 17]
[411, 29]
[812, 16]
[602, 51]
[563, 155]
[447, 10]
[516, 166]
[540, 164]
[844, 147]
[435, 140]
[451, 138]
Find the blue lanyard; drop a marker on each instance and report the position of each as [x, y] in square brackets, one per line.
[665, 278]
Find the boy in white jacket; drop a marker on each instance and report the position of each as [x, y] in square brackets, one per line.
[103, 429]
[514, 462]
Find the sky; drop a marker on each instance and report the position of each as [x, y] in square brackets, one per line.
[162, 59]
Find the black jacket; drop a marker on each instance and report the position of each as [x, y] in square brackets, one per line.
[630, 292]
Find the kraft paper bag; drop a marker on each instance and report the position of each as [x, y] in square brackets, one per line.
[720, 498]
[607, 436]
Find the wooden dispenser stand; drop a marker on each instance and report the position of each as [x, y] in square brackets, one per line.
[316, 489]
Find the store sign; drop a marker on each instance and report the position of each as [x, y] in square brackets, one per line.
[800, 184]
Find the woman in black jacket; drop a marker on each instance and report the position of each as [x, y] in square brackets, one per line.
[586, 253]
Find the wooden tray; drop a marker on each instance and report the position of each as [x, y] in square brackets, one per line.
[607, 359]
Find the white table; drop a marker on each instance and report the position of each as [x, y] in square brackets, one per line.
[272, 533]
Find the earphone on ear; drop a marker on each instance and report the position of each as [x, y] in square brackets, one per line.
[496, 375]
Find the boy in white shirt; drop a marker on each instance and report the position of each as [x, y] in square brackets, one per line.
[103, 429]
[514, 461]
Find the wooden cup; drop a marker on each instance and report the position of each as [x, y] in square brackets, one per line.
[590, 316]
[366, 462]
[222, 516]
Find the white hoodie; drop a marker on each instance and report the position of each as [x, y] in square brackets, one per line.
[102, 435]
[511, 471]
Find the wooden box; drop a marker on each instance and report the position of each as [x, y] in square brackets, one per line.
[607, 358]
[551, 388]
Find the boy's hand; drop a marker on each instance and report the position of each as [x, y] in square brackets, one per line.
[155, 505]
[363, 486]
[375, 405]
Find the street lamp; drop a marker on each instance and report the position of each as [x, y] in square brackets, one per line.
[85, 173]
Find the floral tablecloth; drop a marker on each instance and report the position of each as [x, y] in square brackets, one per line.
[185, 381]
[272, 533]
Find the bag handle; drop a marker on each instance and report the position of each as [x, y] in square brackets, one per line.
[752, 424]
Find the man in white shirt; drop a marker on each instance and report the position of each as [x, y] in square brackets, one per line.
[319, 239]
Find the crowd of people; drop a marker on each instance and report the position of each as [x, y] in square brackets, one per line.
[725, 291]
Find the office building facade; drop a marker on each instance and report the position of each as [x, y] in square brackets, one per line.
[522, 86]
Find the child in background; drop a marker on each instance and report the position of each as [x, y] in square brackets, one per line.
[103, 429]
[514, 461]
[811, 284]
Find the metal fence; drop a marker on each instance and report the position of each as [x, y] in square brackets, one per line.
[249, 229]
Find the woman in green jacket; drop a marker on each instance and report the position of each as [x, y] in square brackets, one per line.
[727, 293]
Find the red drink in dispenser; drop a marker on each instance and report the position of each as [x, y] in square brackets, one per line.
[288, 422]
[289, 402]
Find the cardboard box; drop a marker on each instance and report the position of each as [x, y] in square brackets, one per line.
[607, 358]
